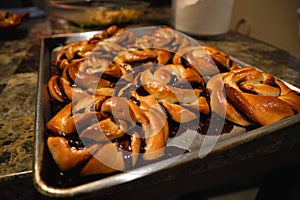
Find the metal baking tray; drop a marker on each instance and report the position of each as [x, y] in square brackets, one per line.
[43, 165]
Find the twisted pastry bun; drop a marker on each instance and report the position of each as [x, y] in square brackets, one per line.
[252, 97]
[164, 38]
[182, 99]
[65, 156]
[206, 60]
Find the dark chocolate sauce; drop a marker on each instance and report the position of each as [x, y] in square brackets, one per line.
[62, 90]
[124, 145]
[75, 141]
[135, 101]
[141, 91]
[55, 107]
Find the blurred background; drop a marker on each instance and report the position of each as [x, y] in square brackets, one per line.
[276, 22]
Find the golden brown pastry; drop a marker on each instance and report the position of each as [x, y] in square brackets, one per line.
[205, 60]
[80, 49]
[178, 97]
[124, 95]
[120, 92]
[107, 160]
[164, 38]
[251, 96]
[65, 156]
[108, 122]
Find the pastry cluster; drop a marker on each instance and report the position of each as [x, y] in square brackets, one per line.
[121, 92]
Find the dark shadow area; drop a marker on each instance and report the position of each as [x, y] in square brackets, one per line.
[13, 33]
[281, 184]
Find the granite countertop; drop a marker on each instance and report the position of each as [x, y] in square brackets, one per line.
[19, 61]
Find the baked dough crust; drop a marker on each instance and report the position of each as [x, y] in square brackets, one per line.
[121, 92]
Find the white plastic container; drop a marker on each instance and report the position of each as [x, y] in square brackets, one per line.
[202, 17]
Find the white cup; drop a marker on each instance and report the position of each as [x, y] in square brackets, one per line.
[202, 17]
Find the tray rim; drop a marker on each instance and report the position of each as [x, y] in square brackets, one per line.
[123, 177]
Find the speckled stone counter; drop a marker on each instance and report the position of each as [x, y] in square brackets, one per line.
[19, 61]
